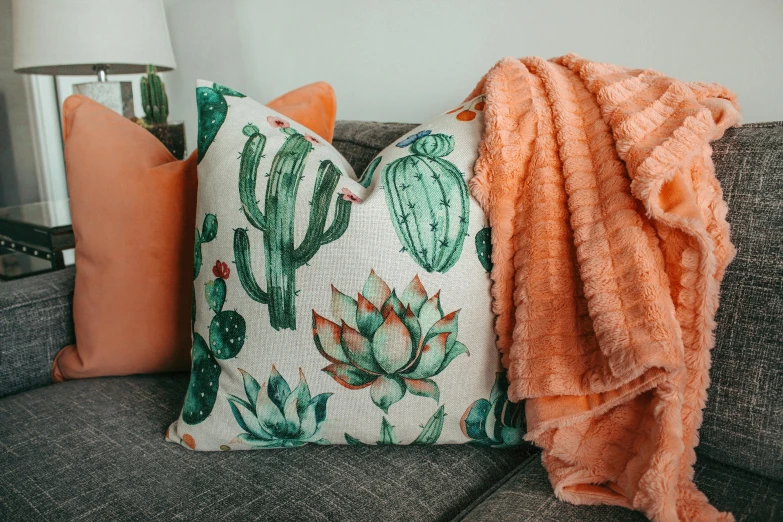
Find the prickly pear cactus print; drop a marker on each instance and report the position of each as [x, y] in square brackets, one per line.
[204, 380]
[427, 197]
[484, 248]
[226, 338]
[209, 229]
[207, 233]
[212, 109]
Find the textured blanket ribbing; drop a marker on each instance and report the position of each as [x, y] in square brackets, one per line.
[609, 244]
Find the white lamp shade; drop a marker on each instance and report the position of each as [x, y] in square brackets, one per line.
[67, 37]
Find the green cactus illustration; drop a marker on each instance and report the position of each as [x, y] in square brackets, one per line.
[226, 338]
[366, 178]
[209, 229]
[427, 197]
[274, 416]
[278, 219]
[430, 432]
[393, 345]
[496, 422]
[203, 388]
[212, 111]
[484, 248]
[227, 329]
[153, 98]
[208, 232]
[387, 433]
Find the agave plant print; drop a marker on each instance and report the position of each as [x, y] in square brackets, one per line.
[430, 432]
[273, 416]
[390, 344]
[496, 422]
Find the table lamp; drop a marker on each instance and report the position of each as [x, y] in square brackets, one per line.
[80, 37]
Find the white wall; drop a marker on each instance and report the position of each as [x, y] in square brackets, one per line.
[407, 60]
[18, 183]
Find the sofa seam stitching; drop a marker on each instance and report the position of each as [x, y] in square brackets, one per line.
[489, 492]
[39, 301]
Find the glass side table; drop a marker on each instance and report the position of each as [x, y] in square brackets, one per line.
[33, 238]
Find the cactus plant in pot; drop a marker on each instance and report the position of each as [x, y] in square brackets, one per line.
[156, 113]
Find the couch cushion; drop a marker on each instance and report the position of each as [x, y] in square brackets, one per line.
[527, 495]
[360, 141]
[35, 322]
[743, 421]
[94, 449]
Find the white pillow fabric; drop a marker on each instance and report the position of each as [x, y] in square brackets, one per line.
[342, 310]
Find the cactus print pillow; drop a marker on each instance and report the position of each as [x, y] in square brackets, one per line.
[335, 309]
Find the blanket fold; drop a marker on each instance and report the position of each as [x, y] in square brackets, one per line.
[609, 244]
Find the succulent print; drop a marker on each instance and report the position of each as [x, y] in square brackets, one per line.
[212, 111]
[430, 432]
[274, 416]
[496, 422]
[226, 339]
[427, 197]
[484, 248]
[392, 344]
[276, 219]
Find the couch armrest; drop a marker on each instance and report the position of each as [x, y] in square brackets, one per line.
[36, 320]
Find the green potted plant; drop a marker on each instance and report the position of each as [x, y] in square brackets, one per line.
[156, 113]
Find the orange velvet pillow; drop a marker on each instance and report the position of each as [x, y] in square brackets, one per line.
[299, 106]
[133, 209]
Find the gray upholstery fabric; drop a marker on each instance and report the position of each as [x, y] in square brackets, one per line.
[94, 450]
[35, 322]
[743, 420]
[527, 495]
[360, 141]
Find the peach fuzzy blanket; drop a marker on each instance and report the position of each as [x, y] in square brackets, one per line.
[609, 245]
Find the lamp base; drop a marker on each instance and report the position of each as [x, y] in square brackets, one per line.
[118, 96]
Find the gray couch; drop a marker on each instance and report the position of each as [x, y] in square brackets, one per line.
[94, 449]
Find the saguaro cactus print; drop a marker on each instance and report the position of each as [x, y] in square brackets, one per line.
[277, 220]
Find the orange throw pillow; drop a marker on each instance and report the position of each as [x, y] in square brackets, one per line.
[133, 209]
[298, 105]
